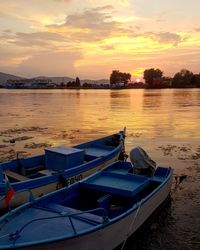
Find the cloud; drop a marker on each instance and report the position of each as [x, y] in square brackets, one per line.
[11, 57]
[7, 31]
[57, 38]
[52, 64]
[91, 25]
[105, 7]
[165, 37]
[7, 55]
[108, 47]
[97, 24]
[32, 39]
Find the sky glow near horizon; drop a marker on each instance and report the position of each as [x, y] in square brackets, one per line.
[91, 38]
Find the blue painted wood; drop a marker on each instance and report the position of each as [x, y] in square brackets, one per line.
[62, 157]
[115, 183]
[97, 202]
[32, 167]
[104, 202]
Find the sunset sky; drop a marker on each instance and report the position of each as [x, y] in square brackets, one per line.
[91, 38]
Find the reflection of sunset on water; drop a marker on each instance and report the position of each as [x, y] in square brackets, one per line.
[70, 116]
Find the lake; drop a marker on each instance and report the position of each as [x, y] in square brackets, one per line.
[166, 123]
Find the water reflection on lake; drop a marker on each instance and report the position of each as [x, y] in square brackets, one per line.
[153, 113]
[166, 123]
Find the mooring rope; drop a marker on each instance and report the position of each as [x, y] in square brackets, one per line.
[131, 225]
[5, 235]
[178, 179]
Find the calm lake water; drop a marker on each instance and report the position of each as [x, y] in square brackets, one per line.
[166, 123]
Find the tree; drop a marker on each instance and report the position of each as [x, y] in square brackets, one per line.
[62, 84]
[153, 77]
[196, 80]
[74, 84]
[118, 77]
[71, 84]
[166, 82]
[184, 78]
[87, 85]
[78, 83]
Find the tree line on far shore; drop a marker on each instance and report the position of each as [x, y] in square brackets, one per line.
[154, 79]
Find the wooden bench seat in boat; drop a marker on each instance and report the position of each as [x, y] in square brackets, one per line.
[98, 150]
[90, 217]
[114, 183]
[119, 167]
[34, 169]
[47, 172]
[15, 175]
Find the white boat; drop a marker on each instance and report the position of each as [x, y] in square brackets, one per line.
[58, 167]
[98, 213]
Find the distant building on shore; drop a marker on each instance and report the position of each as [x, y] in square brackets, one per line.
[30, 83]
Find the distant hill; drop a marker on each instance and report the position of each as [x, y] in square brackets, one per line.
[4, 77]
[66, 79]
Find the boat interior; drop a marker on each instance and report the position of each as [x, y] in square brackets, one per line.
[84, 206]
[108, 193]
[58, 159]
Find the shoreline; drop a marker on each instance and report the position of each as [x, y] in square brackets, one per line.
[97, 88]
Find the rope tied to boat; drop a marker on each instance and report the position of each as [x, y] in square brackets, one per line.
[131, 225]
[5, 235]
[178, 181]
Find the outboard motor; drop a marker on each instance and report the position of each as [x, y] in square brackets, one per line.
[141, 162]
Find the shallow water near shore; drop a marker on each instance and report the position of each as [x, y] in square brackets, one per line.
[166, 123]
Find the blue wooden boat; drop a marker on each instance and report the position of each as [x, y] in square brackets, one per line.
[99, 212]
[58, 167]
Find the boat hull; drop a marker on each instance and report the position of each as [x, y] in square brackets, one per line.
[112, 235]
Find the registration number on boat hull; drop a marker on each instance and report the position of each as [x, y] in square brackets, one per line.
[74, 179]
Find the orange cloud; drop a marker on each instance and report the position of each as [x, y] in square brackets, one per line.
[99, 35]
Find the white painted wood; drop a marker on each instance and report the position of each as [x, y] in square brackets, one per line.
[112, 235]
